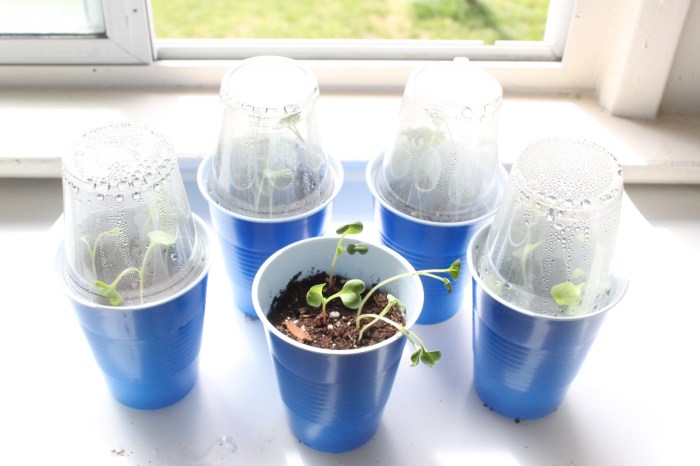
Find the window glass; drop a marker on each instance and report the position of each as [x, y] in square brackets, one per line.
[484, 20]
[51, 17]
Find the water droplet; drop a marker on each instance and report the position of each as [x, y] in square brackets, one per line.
[136, 195]
[100, 197]
[174, 256]
[119, 197]
[216, 453]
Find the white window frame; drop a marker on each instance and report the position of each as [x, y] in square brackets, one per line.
[127, 40]
[621, 50]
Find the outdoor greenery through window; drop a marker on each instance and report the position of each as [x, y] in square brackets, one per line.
[485, 20]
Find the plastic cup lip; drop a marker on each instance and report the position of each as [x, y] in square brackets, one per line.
[332, 241]
[445, 75]
[620, 285]
[90, 183]
[371, 173]
[232, 98]
[203, 235]
[204, 172]
[521, 185]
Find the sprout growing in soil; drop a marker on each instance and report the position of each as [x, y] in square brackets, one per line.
[351, 297]
[360, 248]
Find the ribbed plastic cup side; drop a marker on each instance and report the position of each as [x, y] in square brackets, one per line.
[336, 415]
[149, 356]
[335, 398]
[524, 361]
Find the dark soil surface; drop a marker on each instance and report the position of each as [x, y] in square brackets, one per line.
[292, 315]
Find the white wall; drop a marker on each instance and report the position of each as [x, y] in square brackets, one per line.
[682, 94]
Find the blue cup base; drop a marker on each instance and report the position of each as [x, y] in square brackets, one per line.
[515, 404]
[333, 438]
[157, 394]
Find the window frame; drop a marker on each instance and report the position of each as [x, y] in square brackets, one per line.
[127, 40]
[602, 54]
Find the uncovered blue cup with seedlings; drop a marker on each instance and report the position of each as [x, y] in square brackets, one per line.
[337, 333]
[268, 182]
[542, 276]
[439, 180]
[134, 263]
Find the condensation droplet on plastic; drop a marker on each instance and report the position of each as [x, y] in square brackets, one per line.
[136, 195]
[119, 198]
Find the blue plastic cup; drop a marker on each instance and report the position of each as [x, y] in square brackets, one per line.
[148, 353]
[335, 398]
[246, 242]
[428, 245]
[524, 361]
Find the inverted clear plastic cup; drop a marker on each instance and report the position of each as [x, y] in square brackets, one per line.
[130, 237]
[269, 161]
[553, 237]
[442, 164]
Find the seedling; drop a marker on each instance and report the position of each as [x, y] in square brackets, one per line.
[420, 353]
[567, 293]
[350, 295]
[92, 248]
[354, 228]
[109, 290]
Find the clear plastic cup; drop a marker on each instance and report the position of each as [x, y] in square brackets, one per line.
[269, 161]
[442, 164]
[130, 237]
[553, 237]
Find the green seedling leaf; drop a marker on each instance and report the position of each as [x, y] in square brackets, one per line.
[162, 237]
[357, 248]
[314, 297]
[448, 285]
[455, 270]
[415, 357]
[567, 293]
[350, 228]
[107, 291]
[430, 358]
[291, 119]
[350, 294]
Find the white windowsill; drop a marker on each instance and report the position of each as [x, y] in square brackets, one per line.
[40, 125]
